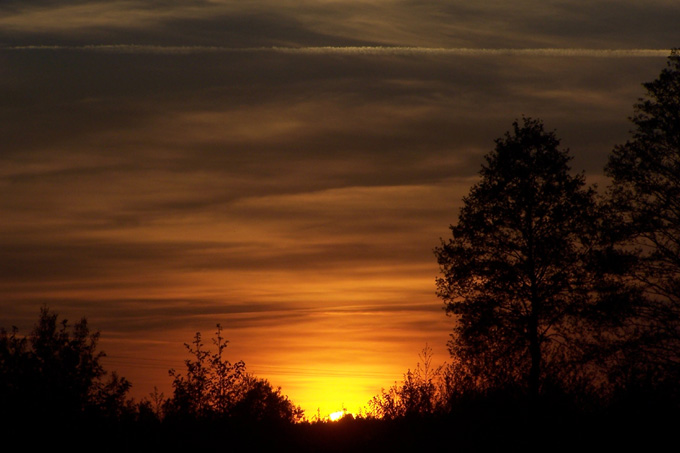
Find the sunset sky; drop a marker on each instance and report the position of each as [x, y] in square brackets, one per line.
[282, 167]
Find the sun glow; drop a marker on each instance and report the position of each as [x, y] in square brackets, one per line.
[335, 416]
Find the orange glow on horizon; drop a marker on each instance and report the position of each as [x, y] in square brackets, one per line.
[318, 367]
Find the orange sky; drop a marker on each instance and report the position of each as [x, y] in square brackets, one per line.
[284, 169]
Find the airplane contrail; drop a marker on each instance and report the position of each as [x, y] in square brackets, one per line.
[357, 50]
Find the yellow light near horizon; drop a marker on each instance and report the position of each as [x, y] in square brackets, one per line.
[321, 396]
[335, 416]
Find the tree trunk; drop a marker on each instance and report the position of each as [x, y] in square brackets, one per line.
[535, 351]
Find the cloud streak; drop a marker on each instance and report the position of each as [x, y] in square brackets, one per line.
[355, 50]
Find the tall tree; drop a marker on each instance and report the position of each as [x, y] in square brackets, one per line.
[515, 272]
[645, 193]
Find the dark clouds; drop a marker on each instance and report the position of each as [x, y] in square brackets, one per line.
[157, 184]
[439, 23]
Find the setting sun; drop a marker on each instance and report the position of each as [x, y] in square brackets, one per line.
[335, 416]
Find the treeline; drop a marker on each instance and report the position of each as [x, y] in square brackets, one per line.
[54, 381]
[54, 390]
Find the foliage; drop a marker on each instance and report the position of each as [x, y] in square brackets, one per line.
[56, 373]
[645, 193]
[422, 392]
[215, 388]
[261, 402]
[211, 383]
[515, 274]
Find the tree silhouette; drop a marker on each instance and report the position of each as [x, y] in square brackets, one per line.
[515, 272]
[55, 375]
[211, 383]
[214, 388]
[261, 402]
[645, 193]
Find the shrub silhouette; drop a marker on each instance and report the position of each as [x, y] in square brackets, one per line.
[214, 388]
[422, 392]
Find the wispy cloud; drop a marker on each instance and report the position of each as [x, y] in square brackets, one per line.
[358, 50]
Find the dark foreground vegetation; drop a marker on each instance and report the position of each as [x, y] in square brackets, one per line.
[567, 329]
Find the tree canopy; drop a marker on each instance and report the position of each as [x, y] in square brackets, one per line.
[645, 194]
[56, 375]
[515, 272]
[215, 388]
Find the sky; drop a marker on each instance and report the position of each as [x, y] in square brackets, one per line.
[284, 168]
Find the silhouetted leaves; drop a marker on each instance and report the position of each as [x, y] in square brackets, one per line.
[422, 392]
[515, 273]
[55, 379]
[645, 193]
[214, 388]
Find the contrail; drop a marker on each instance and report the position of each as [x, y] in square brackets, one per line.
[355, 50]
